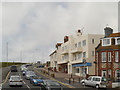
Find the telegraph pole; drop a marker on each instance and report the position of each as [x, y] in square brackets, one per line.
[7, 52]
[21, 56]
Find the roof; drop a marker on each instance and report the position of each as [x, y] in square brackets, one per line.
[114, 35]
[52, 53]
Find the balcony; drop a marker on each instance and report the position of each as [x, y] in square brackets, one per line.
[65, 52]
[63, 61]
[78, 60]
[76, 50]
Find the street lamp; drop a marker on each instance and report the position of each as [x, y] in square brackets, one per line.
[84, 62]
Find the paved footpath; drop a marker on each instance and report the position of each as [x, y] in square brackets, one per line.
[64, 78]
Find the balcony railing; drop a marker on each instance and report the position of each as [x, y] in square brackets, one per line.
[76, 50]
[65, 52]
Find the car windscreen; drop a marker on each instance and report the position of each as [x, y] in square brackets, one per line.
[52, 83]
[15, 78]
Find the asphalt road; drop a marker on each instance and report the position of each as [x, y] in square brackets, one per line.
[26, 83]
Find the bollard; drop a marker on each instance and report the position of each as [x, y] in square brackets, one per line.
[79, 79]
[69, 80]
[73, 80]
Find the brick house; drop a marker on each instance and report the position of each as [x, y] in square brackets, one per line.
[107, 56]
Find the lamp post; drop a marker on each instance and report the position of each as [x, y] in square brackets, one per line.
[84, 62]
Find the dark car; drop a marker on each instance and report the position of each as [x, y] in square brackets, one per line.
[13, 68]
[36, 80]
[41, 66]
[50, 85]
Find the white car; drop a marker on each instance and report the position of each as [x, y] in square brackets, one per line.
[95, 81]
[15, 81]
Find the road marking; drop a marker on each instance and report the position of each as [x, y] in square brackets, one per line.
[0, 86]
[27, 86]
[24, 82]
[6, 78]
[54, 79]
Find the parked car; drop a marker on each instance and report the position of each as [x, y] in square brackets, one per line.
[35, 80]
[13, 68]
[95, 81]
[15, 80]
[24, 72]
[28, 74]
[22, 67]
[50, 84]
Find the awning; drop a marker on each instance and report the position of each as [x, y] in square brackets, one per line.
[81, 65]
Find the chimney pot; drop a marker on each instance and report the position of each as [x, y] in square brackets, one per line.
[108, 31]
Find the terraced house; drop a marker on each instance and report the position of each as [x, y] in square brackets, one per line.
[76, 49]
[108, 55]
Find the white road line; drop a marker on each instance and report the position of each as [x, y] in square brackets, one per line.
[24, 82]
[27, 86]
[0, 86]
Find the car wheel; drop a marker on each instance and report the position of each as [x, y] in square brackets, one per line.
[83, 83]
[10, 85]
[97, 86]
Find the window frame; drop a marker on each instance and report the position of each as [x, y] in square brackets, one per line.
[104, 43]
[109, 57]
[117, 60]
[116, 42]
[102, 58]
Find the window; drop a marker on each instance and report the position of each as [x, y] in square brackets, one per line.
[109, 56]
[84, 42]
[75, 56]
[103, 73]
[116, 56]
[79, 44]
[84, 54]
[89, 78]
[76, 45]
[103, 56]
[96, 79]
[117, 73]
[109, 73]
[117, 41]
[84, 70]
[79, 55]
[106, 42]
[77, 70]
[62, 48]
[93, 53]
[92, 41]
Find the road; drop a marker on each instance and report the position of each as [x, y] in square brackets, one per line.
[26, 83]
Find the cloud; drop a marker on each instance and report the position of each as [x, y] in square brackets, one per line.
[35, 28]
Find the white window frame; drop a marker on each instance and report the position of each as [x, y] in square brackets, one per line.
[104, 44]
[117, 58]
[104, 71]
[103, 57]
[116, 72]
[109, 57]
[116, 42]
[109, 73]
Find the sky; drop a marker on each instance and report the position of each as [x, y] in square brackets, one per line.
[32, 29]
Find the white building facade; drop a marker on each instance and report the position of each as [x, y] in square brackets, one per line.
[74, 51]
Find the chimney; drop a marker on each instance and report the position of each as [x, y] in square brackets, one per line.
[108, 31]
[79, 33]
[65, 39]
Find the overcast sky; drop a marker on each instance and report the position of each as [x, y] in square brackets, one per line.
[33, 29]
